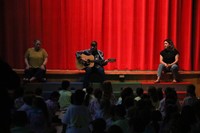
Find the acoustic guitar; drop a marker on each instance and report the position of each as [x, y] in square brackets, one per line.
[89, 61]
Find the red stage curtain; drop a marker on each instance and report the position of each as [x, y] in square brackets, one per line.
[132, 31]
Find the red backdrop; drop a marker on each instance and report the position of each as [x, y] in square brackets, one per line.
[132, 31]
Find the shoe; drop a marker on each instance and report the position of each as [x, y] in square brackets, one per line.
[157, 81]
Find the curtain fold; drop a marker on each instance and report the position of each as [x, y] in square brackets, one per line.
[132, 31]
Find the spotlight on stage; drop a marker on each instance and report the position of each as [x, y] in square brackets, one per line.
[121, 77]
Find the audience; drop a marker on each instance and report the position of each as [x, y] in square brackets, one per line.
[97, 111]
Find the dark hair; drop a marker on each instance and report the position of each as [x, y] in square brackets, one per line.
[139, 91]
[78, 97]
[36, 41]
[99, 124]
[170, 43]
[54, 95]
[94, 43]
[65, 84]
[191, 90]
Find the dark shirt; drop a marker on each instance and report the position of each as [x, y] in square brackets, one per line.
[98, 57]
[169, 55]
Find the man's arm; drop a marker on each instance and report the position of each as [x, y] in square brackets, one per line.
[44, 63]
[102, 62]
[26, 62]
[79, 53]
[82, 60]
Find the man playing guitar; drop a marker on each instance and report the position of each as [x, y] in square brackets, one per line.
[92, 61]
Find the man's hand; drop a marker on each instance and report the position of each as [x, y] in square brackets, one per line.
[42, 67]
[84, 62]
[106, 61]
[27, 66]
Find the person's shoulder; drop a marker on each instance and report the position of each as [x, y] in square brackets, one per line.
[176, 51]
[162, 51]
[43, 49]
[100, 51]
[83, 50]
[87, 51]
[30, 49]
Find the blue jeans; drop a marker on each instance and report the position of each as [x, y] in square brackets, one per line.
[174, 69]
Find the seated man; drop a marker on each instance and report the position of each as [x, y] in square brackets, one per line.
[168, 61]
[93, 64]
[35, 60]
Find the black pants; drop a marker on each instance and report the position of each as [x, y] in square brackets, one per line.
[38, 73]
[91, 70]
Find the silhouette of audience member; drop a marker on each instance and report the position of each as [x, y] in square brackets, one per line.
[119, 118]
[53, 106]
[5, 111]
[155, 123]
[160, 93]
[89, 96]
[35, 60]
[18, 101]
[108, 92]
[139, 94]
[190, 98]
[20, 122]
[9, 80]
[98, 126]
[136, 124]
[153, 96]
[114, 129]
[28, 100]
[38, 92]
[77, 117]
[94, 105]
[38, 116]
[126, 92]
[187, 119]
[169, 99]
[65, 95]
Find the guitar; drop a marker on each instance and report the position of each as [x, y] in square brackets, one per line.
[89, 61]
